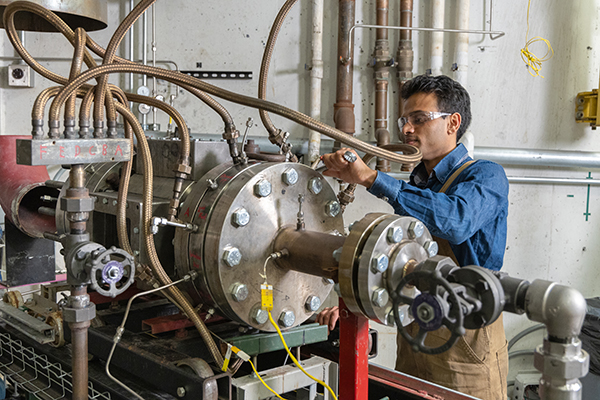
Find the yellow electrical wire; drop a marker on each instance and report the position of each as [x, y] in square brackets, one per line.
[263, 382]
[534, 63]
[296, 361]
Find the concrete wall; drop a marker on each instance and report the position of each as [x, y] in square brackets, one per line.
[549, 236]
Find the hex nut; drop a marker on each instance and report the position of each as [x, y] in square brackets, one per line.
[232, 256]
[395, 234]
[290, 176]
[337, 254]
[287, 318]
[332, 208]
[77, 205]
[315, 185]
[181, 391]
[239, 291]
[262, 188]
[380, 263]
[431, 247]
[425, 312]
[380, 297]
[260, 316]
[416, 229]
[240, 217]
[560, 367]
[312, 303]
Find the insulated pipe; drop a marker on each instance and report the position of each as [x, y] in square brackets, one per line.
[437, 38]
[461, 56]
[538, 157]
[22, 186]
[381, 77]
[316, 77]
[343, 109]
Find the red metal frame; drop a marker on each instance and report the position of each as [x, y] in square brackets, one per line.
[354, 351]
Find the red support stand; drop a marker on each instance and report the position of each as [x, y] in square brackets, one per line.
[354, 349]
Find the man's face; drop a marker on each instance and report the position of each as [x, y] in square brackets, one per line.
[435, 138]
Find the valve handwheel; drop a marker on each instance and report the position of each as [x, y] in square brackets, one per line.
[435, 307]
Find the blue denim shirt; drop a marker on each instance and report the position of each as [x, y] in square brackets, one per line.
[472, 213]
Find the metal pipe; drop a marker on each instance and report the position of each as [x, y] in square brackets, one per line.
[145, 60]
[437, 38]
[154, 109]
[381, 76]
[538, 157]
[405, 53]
[404, 28]
[343, 109]
[316, 77]
[320, 262]
[131, 56]
[79, 350]
[22, 188]
[461, 56]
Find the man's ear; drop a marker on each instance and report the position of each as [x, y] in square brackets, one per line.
[454, 121]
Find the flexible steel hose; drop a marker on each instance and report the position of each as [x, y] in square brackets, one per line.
[58, 23]
[149, 238]
[75, 70]
[111, 50]
[266, 62]
[293, 115]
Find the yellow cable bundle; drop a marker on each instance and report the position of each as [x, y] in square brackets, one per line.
[534, 63]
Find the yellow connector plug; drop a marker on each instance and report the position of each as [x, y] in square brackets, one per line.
[266, 295]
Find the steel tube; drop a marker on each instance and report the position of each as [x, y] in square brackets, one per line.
[316, 77]
[319, 262]
[381, 76]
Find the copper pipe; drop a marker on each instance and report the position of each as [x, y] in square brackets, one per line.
[79, 351]
[343, 109]
[382, 60]
[319, 262]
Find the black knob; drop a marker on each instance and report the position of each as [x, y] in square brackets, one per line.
[18, 73]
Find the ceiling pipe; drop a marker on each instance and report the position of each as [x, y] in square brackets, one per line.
[343, 109]
[316, 77]
[382, 62]
[437, 38]
[461, 55]
[24, 192]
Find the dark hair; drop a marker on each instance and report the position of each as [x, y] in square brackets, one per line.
[451, 96]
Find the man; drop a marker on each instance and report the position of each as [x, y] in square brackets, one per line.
[464, 205]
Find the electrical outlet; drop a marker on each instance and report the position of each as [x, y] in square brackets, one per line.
[20, 75]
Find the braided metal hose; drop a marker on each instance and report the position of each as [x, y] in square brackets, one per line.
[296, 116]
[155, 264]
[266, 62]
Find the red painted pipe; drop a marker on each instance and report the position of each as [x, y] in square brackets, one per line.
[21, 187]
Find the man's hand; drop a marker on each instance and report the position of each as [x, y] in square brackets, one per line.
[329, 316]
[350, 172]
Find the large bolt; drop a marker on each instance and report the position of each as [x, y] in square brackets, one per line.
[181, 391]
[262, 188]
[260, 316]
[113, 272]
[287, 319]
[290, 176]
[395, 234]
[380, 297]
[431, 247]
[240, 217]
[315, 185]
[232, 256]
[239, 291]
[380, 263]
[312, 303]
[425, 312]
[416, 229]
[332, 208]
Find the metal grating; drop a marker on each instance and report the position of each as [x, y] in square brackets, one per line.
[34, 374]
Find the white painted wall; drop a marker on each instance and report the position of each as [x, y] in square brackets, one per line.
[549, 235]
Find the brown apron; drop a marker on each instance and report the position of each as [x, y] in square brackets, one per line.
[476, 365]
